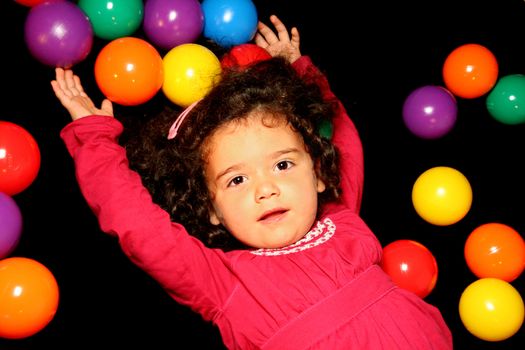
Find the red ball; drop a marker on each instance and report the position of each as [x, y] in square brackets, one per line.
[19, 158]
[243, 55]
[30, 3]
[411, 266]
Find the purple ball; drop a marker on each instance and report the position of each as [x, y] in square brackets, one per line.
[430, 112]
[169, 23]
[10, 225]
[58, 33]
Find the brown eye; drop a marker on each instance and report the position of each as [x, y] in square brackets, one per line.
[236, 181]
[283, 165]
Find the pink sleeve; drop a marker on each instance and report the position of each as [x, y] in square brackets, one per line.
[345, 137]
[124, 208]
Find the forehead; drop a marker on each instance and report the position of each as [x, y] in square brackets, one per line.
[256, 127]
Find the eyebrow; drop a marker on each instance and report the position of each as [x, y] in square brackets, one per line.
[276, 154]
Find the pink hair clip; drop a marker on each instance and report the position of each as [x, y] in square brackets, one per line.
[176, 125]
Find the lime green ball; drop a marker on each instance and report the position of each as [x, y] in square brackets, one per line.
[506, 101]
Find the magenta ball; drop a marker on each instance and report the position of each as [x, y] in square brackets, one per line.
[10, 225]
[430, 112]
[58, 33]
[169, 23]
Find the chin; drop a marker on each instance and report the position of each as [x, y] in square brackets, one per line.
[281, 243]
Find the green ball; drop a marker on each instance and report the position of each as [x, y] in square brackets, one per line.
[113, 19]
[506, 101]
[326, 129]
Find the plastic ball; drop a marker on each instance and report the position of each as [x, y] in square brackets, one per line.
[112, 19]
[491, 309]
[58, 33]
[229, 22]
[326, 129]
[129, 71]
[28, 297]
[470, 71]
[31, 3]
[243, 55]
[411, 266]
[506, 101]
[10, 225]
[495, 250]
[169, 23]
[190, 71]
[430, 112]
[19, 158]
[442, 195]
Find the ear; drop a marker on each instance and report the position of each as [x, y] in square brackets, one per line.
[214, 218]
[320, 185]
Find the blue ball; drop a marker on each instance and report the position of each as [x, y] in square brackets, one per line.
[229, 22]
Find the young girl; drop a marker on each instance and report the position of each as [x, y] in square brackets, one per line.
[245, 170]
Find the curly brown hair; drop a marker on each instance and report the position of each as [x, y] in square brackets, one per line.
[174, 170]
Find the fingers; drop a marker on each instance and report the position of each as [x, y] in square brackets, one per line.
[265, 36]
[59, 85]
[59, 79]
[295, 40]
[56, 89]
[73, 83]
[78, 85]
[68, 77]
[107, 107]
[260, 41]
[282, 32]
[68, 83]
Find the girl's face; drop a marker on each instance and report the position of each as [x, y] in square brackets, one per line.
[262, 181]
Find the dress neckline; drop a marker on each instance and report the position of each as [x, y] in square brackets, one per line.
[321, 232]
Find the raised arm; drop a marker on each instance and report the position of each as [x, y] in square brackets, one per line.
[124, 207]
[345, 137]
[282, 43]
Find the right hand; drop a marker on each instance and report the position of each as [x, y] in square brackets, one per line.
[69, 91]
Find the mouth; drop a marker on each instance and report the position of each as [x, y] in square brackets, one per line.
[273, 215]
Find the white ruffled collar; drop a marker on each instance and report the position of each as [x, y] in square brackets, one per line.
[322, 232]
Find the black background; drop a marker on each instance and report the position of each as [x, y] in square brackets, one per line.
[374, 55]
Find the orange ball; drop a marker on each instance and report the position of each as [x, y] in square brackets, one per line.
[470, 71]
[495, 250]
[129, 71]
[28, 297]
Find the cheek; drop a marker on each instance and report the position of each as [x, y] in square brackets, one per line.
[228, 205]
[304, 187]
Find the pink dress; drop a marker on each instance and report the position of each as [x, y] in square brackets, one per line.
[326, 291]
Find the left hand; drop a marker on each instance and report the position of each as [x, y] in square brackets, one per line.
[280, 44]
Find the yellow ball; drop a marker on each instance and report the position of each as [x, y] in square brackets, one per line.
[190, 71]
[491, 309]
[442, 195]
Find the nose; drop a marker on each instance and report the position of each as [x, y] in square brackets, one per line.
[266, 188]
